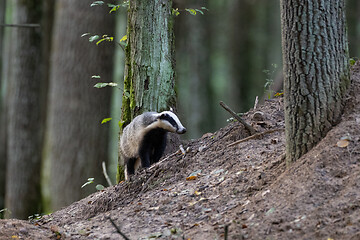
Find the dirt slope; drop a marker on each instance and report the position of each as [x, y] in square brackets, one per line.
[245, 187]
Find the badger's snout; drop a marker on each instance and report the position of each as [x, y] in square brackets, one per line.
[181, 131]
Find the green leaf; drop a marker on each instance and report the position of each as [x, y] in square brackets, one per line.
[95, 76]
[105, 120]
[114, 8]
[90, 180]
[102, 85]
[191, 11]
[175, 12]
[93, 38]
[352, 61]
[105, 38]
[121, 123]
[124, 38]
[85, 34]
[97, 3]
[99, 187]
[202, 13]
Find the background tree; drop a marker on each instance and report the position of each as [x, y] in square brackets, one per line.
[25, 127]
[76, 141]
[149, 81]
[353, 20]
[315, 57]
[193, 44]
[221, 56]
[2, 111]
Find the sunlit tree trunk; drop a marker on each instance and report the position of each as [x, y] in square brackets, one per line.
[149, 81]
[76, 141]
[315, 56]
[25, 127]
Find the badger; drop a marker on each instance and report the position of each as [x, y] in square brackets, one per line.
[145, 138]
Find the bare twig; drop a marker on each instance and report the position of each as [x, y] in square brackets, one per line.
[256, 102]
[105, 174]
[251, 130]
[118, 229]
[25, 25]
[255, 136]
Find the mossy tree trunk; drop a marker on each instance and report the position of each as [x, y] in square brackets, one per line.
[149, 81]
[316, 72]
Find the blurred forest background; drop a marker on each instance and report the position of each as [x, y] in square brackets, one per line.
[51, 136]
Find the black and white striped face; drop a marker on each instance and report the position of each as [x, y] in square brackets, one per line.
[170, 122]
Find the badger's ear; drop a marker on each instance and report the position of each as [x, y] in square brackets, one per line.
[171, 109]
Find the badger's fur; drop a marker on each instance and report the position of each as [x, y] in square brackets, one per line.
[145, 138]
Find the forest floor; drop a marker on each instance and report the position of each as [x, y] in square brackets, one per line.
[217, 191]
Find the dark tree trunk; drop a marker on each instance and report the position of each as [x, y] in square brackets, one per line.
[316, 73]
[77, 142]
[25, 127]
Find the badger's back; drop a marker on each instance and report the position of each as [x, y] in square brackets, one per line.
[133, 134]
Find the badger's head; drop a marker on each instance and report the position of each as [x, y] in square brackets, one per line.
[170, 122]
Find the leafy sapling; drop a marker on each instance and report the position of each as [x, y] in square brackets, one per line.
[269, 80]
[98, 187]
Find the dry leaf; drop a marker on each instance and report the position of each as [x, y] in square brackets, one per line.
[342, 143]
[197, 193]
[191, 178]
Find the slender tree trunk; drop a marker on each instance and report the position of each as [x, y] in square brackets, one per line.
[316, 73]
[2, 110]
[77, 142]
[149, 81]
[23, 196]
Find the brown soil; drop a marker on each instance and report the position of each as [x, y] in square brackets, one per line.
[245, 189]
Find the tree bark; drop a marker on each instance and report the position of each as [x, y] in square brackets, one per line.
[149, 82]
[25, 127]
[2, 111]
[316, 72]
[76, 141]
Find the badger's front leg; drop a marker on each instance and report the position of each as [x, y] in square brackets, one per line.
[144, 154]
[159, 148]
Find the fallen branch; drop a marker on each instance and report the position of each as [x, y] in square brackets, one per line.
[251, 130]
[118, 229]
[255, 136]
